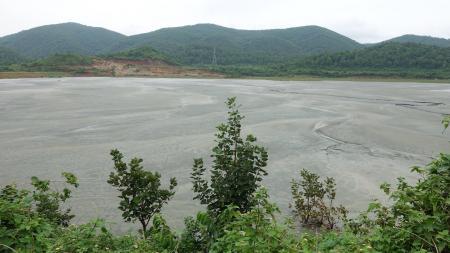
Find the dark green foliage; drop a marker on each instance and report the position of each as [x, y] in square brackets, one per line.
[63, 38]
[187, 45]
[195, 44]
[58, 62]
[28, 220]
[144, 53]
[20, 227]
[419, 217]
[386, 55]
[256, 230]
[398, 60]
[140, 191]
[8, 56]
[48, 202]
[198, 233]
[426, 40]
[404, 60]
[237, 170]
[161, 238]
[89, 237]
[313, 201]
[335, 241]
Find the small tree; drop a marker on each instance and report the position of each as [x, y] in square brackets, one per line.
[48, 202]
[141, 194]
[313, 201]
[446, 122]
[238, 167]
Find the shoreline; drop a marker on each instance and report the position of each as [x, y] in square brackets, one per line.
[24, 74]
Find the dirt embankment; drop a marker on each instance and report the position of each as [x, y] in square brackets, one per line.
[148, 68]
[120, 68]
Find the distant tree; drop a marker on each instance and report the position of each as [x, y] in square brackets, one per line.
[237, 170]
[141, 194]
[313, 201]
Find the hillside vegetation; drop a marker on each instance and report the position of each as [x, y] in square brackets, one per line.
[406, 60]
[299, 51]
[195, 44]
[8, 56]
[426, 40]
[386, 59]
[63, 38]
[188, 44]
[144, 53]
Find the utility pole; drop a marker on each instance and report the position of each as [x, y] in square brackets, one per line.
[214, 58]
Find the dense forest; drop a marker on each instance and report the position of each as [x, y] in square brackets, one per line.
[299, 51]
[8, 56]
[187, 44]
[390, 59]
[386, 55]
[196, 44]
[426, 40]
[387, 59]
[144, 53]
[239, 215]
[63, 38]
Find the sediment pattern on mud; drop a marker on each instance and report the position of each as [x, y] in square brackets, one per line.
[360, 133]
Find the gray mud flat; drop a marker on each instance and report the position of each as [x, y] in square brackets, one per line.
[360, 133]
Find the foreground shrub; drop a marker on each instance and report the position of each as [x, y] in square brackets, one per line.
[48, 202]
[237, 170]
[256, 230]
[418, 219]
[29, 219]
[140, 190]
[313, 201]
[21, 228]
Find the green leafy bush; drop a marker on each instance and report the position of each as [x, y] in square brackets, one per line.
[313, 201]
[418, 219]
[256, 230]
[140, 190]
[48, 202]
[21, 228]
[238, 167]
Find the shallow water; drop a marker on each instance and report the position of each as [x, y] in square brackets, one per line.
[361, 133]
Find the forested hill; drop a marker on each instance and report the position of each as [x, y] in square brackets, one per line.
[61, 38]
[388, 59]
[187, 44]
[144, 53]
[196, 44]
[426, 40]
[385, 55]
[8, 56]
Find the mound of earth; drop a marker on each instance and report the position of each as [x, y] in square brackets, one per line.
[153, 68]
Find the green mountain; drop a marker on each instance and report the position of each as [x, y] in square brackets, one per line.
[390, 59]
[200, 44]
[426, 40]
[187, 44]
[8, 56]
[61, 38]
[385, 55]
[196, 44]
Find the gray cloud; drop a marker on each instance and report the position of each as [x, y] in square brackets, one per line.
[364, 21]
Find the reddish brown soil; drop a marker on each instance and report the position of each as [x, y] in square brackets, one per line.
[148, 68]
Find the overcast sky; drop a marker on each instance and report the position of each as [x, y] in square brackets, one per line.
[362, 20]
